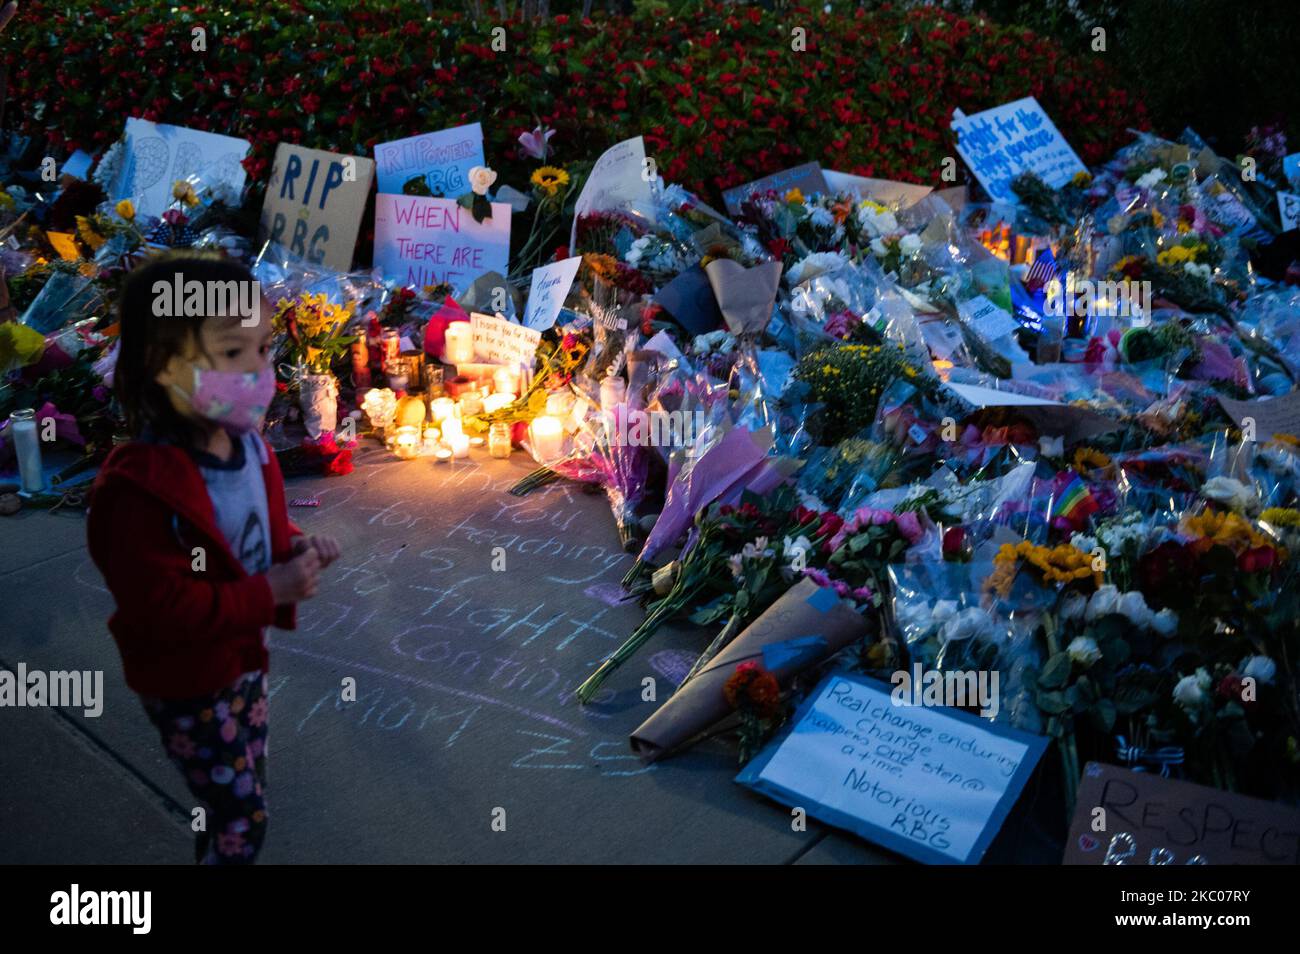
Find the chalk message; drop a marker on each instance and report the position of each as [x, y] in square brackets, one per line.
[501, 341]
[421, 241]
[931, 783]
[546, 294]
[808, 179]
[314, 202]
[999, 144]
[444, 158]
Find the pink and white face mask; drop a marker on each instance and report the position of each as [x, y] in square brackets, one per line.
[234, 399]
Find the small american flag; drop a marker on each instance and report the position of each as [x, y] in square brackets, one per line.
[1042, 271]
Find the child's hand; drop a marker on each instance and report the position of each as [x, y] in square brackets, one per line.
[295, 581]
[326, 547]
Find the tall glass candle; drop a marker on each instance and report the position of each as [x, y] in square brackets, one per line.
[547, 435]
[460, 343]
[27, 445]
[441, 408]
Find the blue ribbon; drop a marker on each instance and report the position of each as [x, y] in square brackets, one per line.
[1141, 760]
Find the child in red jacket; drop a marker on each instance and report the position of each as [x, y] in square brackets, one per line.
[188, 524]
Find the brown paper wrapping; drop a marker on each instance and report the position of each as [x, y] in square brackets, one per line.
[700, 703]
[745, 295]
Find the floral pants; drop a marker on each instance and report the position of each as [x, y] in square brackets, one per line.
[219, 744]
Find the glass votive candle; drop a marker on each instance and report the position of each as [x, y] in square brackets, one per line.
[499, 440]
[460, 343]
[406, 442]
[547, 436]
[505, 381]
[459, 444]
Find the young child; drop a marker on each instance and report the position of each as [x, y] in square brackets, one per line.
[189, 527]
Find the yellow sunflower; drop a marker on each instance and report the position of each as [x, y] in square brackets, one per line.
[549, 179]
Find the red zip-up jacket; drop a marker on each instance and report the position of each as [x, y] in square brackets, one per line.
[181, 632]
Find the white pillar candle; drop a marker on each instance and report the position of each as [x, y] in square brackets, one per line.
[27, 446]
[547, 435]
[613, 392]
[459, 444]
[460, 343]
[505, 381]
[452, 426]
[442, 408]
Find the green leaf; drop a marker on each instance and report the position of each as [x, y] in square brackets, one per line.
[1055, 672]
[1053, 703]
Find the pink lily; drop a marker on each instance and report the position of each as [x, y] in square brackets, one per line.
[537, 142]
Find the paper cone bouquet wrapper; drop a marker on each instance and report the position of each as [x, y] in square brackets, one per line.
[808, 624]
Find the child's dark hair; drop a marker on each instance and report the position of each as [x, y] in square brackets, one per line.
[147, 341]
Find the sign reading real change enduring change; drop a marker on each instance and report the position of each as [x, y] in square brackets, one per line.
[421, 241]
[931, 783]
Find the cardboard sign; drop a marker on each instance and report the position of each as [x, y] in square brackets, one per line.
[999, 144]
[444, 158]
[156, 156]
[1150, 820]
[500, 341]
[1288, 209]
[550, 286]
[314, 203]
[1279, 415]
[931, 783]
[619, 178]
[807, 178]
[885, 191]
[421, 241]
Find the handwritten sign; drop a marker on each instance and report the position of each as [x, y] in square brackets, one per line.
[498, 340]
[986, 319]
[619, 178]
[314, 203]
[999, 144]
[550, 285]
[807, 178]
[155, 156]
[1279, 415]
[421, 241]
[1288, 207]
[444, 158]
[934, 784]
[1149, 820]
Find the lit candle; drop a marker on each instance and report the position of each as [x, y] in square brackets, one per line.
[495, 402]
[547, 435]
[442, 455]
[470, 405]
[499, 440]
[459, 444]
[442, 408]
[407, 442]
[451, 426]
[460, 343]
[505, 381]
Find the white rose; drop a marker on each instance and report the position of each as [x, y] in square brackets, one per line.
[878, 248]
[481, 179]
[1260, 668]
[1072, 606]
[1165, 622]
[1104, 602]
[1133, 605]
[1083, 651]
[909, 244]
[1149, 179]
[965, 624]
[1188, 692]
[1230, 492]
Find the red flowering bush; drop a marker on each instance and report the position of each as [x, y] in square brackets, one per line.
[720, 96]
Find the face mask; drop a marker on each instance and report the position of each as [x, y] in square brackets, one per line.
[236, 400]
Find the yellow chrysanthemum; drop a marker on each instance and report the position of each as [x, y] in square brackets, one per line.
[549, 179]
[794, 195]
[126, 209]
[1281, 517]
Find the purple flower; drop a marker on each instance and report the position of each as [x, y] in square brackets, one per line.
[537, 143]
[909, 526]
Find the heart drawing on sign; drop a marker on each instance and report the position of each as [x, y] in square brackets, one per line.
[1088, 843]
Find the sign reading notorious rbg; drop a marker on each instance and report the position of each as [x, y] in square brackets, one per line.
[314, 203]
[426, 241]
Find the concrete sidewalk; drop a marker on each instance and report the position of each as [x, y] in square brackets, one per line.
[464, 703]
